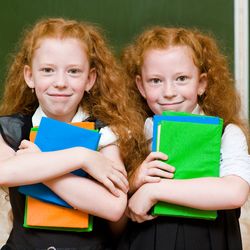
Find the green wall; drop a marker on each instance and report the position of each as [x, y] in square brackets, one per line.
[120, 19]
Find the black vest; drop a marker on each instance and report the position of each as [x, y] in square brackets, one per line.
[14, 129]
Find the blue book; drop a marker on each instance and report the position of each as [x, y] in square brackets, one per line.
[55, 135]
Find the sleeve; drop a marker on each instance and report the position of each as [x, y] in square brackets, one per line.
[235, 159]
[108, 137]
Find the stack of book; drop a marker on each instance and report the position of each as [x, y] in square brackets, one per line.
[43, 208]
[192, 143]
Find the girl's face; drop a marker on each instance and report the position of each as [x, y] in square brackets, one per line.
[60, 73]
[170, 80]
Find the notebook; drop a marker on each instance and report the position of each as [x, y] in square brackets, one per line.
[42, 215]
[56, 135]
[192, 143]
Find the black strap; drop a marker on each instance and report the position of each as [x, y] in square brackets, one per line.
[98, 124]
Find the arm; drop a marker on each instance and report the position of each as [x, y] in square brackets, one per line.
[33, 167]
[225, 192]
[88, 195]
[203, 193]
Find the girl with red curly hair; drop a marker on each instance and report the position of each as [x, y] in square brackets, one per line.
[177, 69]
[64, 70]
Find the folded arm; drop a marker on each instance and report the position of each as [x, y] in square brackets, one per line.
[90, 196]
[34, 167]
[202, 193]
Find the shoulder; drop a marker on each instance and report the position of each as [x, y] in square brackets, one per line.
[148, 128]
[108, 137]
[233, 139]
[235, 159]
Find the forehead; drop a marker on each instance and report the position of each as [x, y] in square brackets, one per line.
[171, 53]
[175, 55]
[50, 50]
[54, 44]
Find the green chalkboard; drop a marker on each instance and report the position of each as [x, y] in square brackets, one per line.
[120, 19]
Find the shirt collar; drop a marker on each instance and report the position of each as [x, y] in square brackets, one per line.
[197, 110]
[79, 116]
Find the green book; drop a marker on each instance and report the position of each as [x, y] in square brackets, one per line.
[192, 143]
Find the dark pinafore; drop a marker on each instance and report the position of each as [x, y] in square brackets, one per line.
[14, 129]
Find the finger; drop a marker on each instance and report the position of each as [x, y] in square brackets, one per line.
[111, 187]
[23, 144]
[147, 217]
[142, 218]
[160, 173]
[156, 155]
[121, 169]
[119, 181]
[151, 179]
[122, 177]
[133, 217]
[162, 165]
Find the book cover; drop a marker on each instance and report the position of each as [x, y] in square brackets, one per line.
[56, 135]
[192, 143]
[42, 215]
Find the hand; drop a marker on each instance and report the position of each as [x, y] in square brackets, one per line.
[111, 174]
[140, 204]
[151, 170]
[27, 147]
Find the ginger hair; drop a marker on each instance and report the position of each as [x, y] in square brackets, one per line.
[108, 100]
[220, 98]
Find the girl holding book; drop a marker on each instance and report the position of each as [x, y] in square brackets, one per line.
[64, 70]
[177, 69]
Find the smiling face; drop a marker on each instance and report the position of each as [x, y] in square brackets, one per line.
[60, 73]
[170, 80]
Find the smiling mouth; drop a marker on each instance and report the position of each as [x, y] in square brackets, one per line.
[171, 104]
[60, 95]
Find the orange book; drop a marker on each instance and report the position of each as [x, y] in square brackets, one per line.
[43, 215]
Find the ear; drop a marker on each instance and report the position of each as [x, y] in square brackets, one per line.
[139, 84]
[202, 84]
[27, 73]
[91, 79]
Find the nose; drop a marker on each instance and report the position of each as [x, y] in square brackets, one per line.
[169, 90]
[60, 80]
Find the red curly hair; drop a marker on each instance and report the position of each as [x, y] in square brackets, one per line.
[220, 98]
[107, 101]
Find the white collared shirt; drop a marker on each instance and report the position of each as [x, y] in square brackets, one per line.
[235, 159]
[108, 137]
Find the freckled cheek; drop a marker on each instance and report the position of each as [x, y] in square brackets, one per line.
[153, 104]
[153, 98]
[79, 89]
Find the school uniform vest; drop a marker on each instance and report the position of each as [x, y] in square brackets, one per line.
[14, 129]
